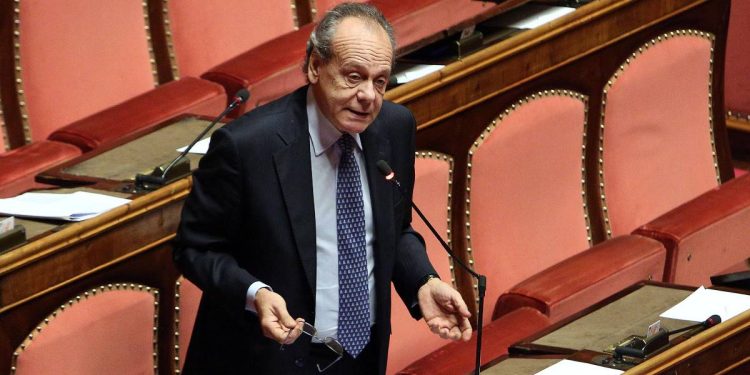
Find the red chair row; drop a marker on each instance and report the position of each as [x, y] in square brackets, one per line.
[87, 74]
[657, 176]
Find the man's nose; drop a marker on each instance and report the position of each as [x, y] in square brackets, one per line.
[366, 92]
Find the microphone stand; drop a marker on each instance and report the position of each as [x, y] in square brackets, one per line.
[161, 176]
[386, 170]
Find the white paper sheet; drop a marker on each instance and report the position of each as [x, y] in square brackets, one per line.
[567, 367]
[703, 303]
[417, 71]
[76, 206]
[200, 147]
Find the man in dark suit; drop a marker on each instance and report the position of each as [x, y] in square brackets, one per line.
[289, 225]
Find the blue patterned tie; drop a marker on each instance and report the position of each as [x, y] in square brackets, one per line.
[354, 301]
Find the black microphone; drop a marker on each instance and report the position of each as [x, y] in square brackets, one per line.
[390, 176]
[173, 171]
[639, 347]
[708, 323]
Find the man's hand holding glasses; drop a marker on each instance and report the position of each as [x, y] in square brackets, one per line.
[279, 326]
[275, 320]
[330, 343]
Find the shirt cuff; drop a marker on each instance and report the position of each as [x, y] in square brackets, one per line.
[251, 291]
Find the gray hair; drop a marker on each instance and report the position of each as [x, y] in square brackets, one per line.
[322, 36]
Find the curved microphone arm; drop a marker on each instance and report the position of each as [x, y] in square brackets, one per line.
[390, 176]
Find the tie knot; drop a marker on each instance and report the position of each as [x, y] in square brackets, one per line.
[346, 143]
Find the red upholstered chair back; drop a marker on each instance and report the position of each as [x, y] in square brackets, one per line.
[78, 57]
[525, 187]
[187, 300]
[657, 146]
[737, 63]
[206, 33]
[411, 339]
[107, 330]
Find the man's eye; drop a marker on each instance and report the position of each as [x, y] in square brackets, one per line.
[354, 77]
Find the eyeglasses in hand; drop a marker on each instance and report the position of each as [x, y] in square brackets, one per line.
[330, 342]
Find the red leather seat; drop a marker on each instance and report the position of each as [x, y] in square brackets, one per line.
[526, 209]
[138, 115]
[20, 165]
[187, 300]
[108, 330]
[587, 277]
[706, 235]
[78, 58]
[205, 33]
[459, 357]
[658, 148]
[412, 339]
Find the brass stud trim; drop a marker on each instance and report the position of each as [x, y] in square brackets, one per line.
[18, 70]
[314, 10]
[170, 42]
[150, 43]
[4, 129]
[295, 19]
[621, 69]
[87, 294]
[738, 115]
[494, 125]
[446, 158]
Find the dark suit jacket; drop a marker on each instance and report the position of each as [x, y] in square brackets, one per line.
[250, 216]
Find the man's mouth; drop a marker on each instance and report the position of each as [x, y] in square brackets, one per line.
[358, 113]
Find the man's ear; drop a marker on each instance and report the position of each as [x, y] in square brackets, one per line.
[313, 68]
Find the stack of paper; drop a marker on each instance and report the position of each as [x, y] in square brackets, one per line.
[704, 302]
[200, 147]
[76, 206]
[566, 367]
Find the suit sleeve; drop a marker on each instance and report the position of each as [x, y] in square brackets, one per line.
[206, 243]
[411, 263]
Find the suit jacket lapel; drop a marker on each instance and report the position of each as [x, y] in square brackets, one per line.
[295, 178]
[377, 147]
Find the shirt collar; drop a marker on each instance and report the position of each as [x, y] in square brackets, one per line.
[322, 133]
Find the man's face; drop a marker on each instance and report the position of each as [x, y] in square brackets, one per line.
[349, 88]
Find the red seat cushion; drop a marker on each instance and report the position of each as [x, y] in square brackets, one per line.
[706, 235]
[139, 114]
[458, 357]
[19, 166]
[588, 277]
[79, 57]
